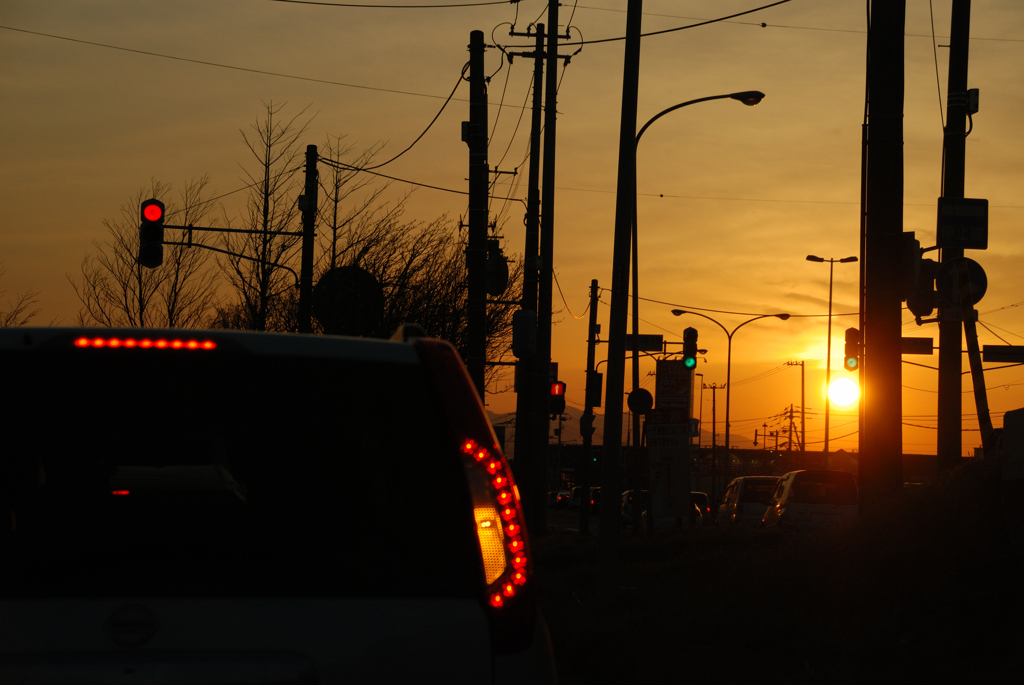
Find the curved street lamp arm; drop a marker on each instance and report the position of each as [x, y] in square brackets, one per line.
[675, 107]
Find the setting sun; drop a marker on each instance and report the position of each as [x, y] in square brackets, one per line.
[843, 392]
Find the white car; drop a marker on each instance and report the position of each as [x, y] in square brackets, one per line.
[238, 507]
[810, 501]
[745, 500]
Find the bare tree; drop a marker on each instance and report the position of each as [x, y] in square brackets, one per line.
[261, 267]
[21, 307]
[116, 291]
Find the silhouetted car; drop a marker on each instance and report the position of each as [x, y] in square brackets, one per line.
[808, 501]
[186, 506]
[745, 500]
[575, 497]
[629, 506]
[562, 501]
[704, 505]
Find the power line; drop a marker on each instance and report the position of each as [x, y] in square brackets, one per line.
[673, 30]
[398, 7]
[221, 66]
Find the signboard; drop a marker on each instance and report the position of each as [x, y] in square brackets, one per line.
[648, 342]
[673, 386]
[963, 223]
[668, 440]
[1009, 354]
[916, 345]
[947, 281]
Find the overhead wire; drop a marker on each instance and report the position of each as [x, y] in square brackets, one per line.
[677, 28]
[399, 7]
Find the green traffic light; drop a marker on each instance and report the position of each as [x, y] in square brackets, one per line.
[851, 363]
[689, 362]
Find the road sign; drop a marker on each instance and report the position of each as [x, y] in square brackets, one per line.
[648, 342]
[916, 345]
[1003, 353]
[947, 281]
[963, 223]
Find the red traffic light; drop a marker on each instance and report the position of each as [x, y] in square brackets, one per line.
[557, 389]
[153, 212]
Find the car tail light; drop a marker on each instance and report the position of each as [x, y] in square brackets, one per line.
[507, 587]
[146, 343]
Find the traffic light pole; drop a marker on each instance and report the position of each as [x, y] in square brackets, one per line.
[950, 403]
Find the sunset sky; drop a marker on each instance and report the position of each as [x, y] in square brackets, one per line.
[731, 198]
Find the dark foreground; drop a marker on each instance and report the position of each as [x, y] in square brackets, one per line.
[927, 586]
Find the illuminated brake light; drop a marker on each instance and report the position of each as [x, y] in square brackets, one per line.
[120, 492]
[146, 343]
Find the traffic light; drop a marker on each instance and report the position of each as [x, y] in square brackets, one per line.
[851, 361]
[151, 234]
[690, 348]
[556, 399]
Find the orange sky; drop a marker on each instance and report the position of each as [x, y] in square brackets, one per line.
[731, 198]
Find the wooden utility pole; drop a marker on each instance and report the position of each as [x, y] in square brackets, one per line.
[587, 420]
[476, 250]
[309, 206]
[531, 408]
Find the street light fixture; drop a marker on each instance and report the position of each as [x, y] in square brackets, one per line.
[747, 97]
[828, 347]
[728, 357]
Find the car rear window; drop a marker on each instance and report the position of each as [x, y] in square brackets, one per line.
[188, 473]
[757, 491]
[832, 487]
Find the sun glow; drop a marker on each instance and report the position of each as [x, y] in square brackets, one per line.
[843, 392]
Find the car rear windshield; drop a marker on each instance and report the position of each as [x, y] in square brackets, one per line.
[210, 473]
[835, 488]
[757, 491]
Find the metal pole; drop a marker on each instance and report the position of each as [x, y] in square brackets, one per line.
[950, 402]
[828, 359]
[881, 371]
[587, 422]
[611, 520]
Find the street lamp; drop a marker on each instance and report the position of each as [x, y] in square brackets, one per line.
[747, 97]
[728, 357]
[828, 348]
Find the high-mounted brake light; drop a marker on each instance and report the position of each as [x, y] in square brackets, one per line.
[146, 343]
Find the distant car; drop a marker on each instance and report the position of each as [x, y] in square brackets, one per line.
[704, 504]
[562, 501]
[185, 506]
[745, 500]
[629, 506]
[552, 499]
[575, 497]
[595, 500]
[809, 501]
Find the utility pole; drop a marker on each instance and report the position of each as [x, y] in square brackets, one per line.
[611, 476]
[587, 420]
[309, 206]
[803, 407]
[531, 408]
[547, 235]
[881, 456]
[948, 435]
[476, 249]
